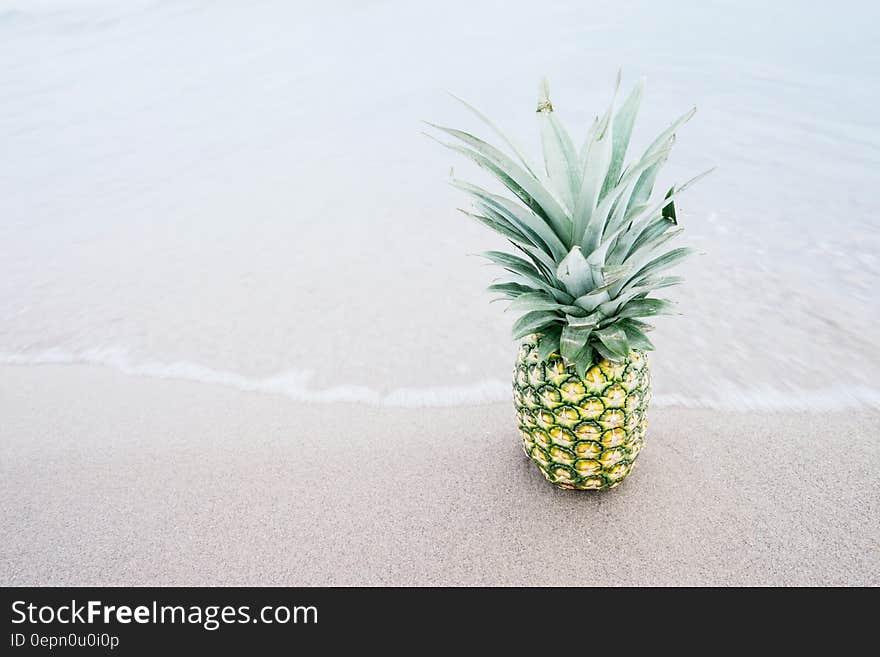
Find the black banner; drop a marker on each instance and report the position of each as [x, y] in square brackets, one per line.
[124, 621]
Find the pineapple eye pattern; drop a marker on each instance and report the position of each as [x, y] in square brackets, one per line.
[592, 445]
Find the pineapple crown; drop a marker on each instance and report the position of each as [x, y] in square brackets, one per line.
[589, 234]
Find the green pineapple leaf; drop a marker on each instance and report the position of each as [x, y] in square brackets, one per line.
[669, 210]
[584, 360]
[485, 119]
[532, 301]
[509, 290]
[635, 334]
[534, 322]
[574, 273]
[500, 227]
[623, 125]
[549, 343]
[614, 339]
[527, 221]
[589, 233]
[514, 177]
[592, 300]
[572, 341]
[560, 157]
[645, 308]
[663, 262]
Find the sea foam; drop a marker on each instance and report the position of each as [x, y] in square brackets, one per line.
[294, 384]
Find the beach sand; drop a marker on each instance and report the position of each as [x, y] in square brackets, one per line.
[107, 479]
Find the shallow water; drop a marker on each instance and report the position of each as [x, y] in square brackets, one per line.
[239, 192]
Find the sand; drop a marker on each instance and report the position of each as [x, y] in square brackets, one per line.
[116, 480]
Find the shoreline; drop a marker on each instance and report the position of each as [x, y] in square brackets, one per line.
[294, 386]
[109, 479]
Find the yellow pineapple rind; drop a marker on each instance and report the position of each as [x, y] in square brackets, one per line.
[582, 433]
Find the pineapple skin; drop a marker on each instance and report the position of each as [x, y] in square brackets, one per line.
[582, 433]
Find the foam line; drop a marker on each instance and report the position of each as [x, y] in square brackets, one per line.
[294, 385]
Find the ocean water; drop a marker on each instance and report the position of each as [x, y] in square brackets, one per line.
[239, 192]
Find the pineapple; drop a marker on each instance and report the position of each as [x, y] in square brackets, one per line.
[582, 432]
[590, 239]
